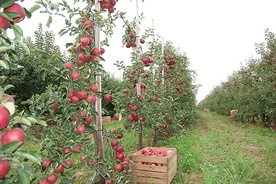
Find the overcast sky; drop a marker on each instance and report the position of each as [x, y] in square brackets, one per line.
[216, 35]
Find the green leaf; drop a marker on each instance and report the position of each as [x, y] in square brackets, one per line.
[22, 176]
[22, 120]
[41, 122]
[4, 64]
[18, 33]
[43, 75]
[49, 21]
[10, 106]
[6, 3]
[25, 47]
[4, 48]
[34, 8]
[8, 87]
[11, 147]
[27, 13]
[31, 155]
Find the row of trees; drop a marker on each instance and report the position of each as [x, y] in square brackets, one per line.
[251, 90]
[156, 93]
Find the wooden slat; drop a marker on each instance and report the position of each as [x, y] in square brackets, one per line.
[143, 173]
[143, 180]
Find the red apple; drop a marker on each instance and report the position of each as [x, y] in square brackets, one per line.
[4, 117]
[88, 23]
[96, 52]
[11, 135]
[77, 149]
[69, 65]
[118, 168]
[119, 149]
[16, 8]
[4, 23]
[86, 41]
[67, 149]
[114, 143]
[80, 129]
[52, 178]
[120, 136]
[69, 163]
[82, 94]
[54, 107]
[94, 88]
[91, 99]
[4, 168]
[82, 158]
[107, 97]
[46, 162]
[113, 131]
[116, 117]
[120, 156]
[44, 182]
[75, 75]
[59, 168]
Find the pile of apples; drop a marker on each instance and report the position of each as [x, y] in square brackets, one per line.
[155, 153]
[14, 8]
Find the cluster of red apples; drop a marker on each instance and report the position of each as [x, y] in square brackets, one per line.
[155, 153]
[18, 17]
[9, 135]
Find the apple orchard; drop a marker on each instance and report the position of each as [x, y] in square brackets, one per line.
[156, 94]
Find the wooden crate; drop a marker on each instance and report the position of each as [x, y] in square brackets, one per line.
[154, 169]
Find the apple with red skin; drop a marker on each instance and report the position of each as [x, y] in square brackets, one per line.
[116, 117]
[4, 168]
[54, 107]
[120, 135]
[59, 168]
[114, 143]
[82, 158]
[46, 162]
[69, 65]
[11, 135]
[52, 178]
[77, 149]
[91, 99]
[75, 75]
[75, 99]
[16, 8]
[4, 117]
[86, 40]
[88, 120]
[107, 97]
[92, 162]
[82, 94]
[88, 23]
[44, 182]
[69, 163]
[142, 40]
[67, 149]
[80, 129]
[108, 181]
[166, 134]
[119, 149]
[94, 88]
[126, 159]
[96, 52]
[113, 131]
[102, 50]
[4, 23]
[118, 168]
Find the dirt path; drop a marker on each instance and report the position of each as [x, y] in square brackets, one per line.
[233, 152]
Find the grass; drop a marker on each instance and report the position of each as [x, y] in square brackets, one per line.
[212, 151]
